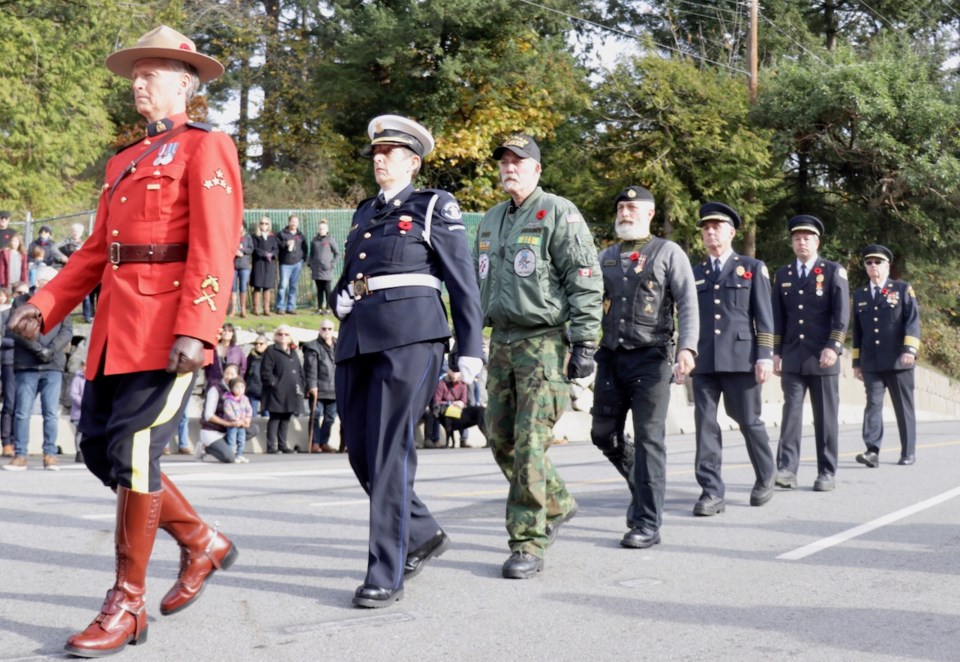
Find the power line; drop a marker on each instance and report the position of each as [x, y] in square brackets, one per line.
[607, 28]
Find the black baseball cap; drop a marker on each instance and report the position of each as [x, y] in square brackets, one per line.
[520, 144]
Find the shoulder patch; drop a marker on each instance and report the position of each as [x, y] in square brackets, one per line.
[451, 210]
[910, 291]
[574, 217]
[842, 273]
[765, 272]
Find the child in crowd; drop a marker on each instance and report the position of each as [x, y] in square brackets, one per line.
[237, 408]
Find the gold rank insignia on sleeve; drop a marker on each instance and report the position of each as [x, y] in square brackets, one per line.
[211, 283]
[218, 180]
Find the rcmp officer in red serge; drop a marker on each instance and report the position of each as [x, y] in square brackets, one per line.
[886, 339]
[399, 248]
[168, 220]
[734, 357]
[811, 309]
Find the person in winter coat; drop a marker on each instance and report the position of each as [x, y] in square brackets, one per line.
[252, 375]
[319, 367]
[323, 253]
[283, 388]
[263, 278]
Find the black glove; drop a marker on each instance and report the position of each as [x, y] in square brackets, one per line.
[44, 355]
[186, 355]
[581, 360]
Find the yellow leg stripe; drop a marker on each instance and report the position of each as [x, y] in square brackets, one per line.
[140, 460]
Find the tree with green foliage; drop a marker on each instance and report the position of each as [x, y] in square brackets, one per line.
[683, 132]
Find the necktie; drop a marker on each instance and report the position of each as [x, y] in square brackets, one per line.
[716, 266]
[379, 203]
[803, 272]
[876, 292]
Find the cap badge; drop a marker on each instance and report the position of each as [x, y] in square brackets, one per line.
[631, 193]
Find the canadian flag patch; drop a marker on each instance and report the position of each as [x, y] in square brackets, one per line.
[585, 272]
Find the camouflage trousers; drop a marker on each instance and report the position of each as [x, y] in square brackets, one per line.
[527, 394]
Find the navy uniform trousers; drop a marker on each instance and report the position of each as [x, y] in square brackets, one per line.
[742, 402]
[382, 396]
[825, 403]
[127, 420]
[900, 384]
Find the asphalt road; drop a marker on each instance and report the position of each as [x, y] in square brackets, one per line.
[868, 572]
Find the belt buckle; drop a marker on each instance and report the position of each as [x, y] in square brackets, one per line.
[360, 288]
[114, 253]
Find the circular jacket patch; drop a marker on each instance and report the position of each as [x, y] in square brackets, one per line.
[484, 265]
[452, 211]
[525, 263]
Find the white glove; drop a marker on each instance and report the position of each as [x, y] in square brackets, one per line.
[470, 367]
[345, 302]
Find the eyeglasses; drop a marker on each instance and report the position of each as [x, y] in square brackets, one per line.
[871, 263]
[260, 342]
[326, 328]
[281, 333]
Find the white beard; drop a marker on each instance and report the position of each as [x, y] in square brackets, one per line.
[628, 232]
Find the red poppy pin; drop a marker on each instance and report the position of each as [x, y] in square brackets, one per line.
[884, 291]
[634, 256]
[817, 270]
[541, 214]
[405, 225]
[748, 275]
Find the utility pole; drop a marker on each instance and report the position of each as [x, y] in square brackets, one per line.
[750, 236]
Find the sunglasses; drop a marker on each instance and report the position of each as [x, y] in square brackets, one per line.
[326, 328]
[871, 263]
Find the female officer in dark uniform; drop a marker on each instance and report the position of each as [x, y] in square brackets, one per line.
[401, 245]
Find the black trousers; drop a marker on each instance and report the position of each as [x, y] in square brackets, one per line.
[126, 421]
[900, 385]
[742, 402]
[825, 402]
[381, 397]
[325, 293]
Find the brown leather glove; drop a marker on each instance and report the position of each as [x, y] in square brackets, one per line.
[26, 321]
[186, 355]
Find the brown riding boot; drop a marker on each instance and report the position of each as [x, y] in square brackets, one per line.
[243, 304]
[266, 302]
[123, 617]
[203, 550]
[258, 303]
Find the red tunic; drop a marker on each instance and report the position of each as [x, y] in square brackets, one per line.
[192, 196]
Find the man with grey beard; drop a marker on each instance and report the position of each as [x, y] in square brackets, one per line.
[645, 279]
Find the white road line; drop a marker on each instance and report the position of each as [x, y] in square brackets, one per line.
[355, 502]
[103, 516]
[843, 536]
[242, 476]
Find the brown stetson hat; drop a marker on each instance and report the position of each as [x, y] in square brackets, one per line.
[164, 42]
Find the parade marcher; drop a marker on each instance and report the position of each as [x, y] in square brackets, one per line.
[537, 265]
[293, 253]
[161, 306]
[811, 309]
[734, 357]
[886, 340]
[323, 253]
[646, 280]
[401, 245]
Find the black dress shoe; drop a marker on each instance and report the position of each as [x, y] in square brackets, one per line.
[709, 505]
[762, 492]
[522, 565]
[374, 597]
[416, 559]
[906, 460]
[287, 449]
[553, 528]
[870, 458]
[640, 538]
[272, 451]
[824, 483]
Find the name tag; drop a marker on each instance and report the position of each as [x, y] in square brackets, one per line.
[786, 284]
[862, 304]
[153, 187]
[700, 282]
[610, 263]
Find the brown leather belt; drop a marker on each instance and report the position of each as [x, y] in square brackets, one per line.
[121, 253]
